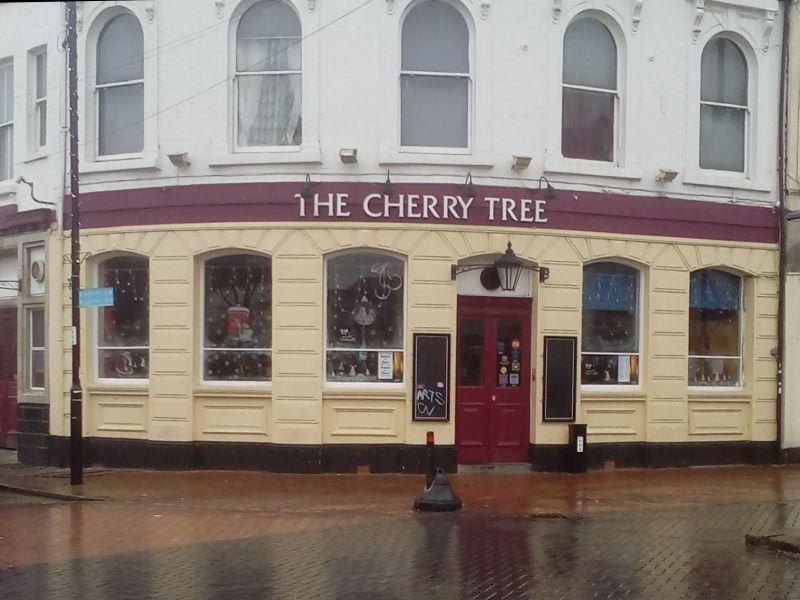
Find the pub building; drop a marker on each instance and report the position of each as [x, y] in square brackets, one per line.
[331, 228]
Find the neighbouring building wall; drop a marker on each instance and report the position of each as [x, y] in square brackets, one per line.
[790, 439]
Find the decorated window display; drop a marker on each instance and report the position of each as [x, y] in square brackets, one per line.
[124, 329]
[365, 318]
[714, 329]
[237, 320]
[610, 352]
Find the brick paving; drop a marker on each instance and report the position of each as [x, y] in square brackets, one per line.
[51, 549]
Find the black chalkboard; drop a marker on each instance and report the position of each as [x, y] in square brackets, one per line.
[431, 391]
[560, 370]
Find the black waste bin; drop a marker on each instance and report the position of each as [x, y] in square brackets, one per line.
[577, 448]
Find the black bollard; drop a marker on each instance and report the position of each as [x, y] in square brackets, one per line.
[431, 472]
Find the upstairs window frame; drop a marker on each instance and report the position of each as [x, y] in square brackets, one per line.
[7, 118]
[468, 75]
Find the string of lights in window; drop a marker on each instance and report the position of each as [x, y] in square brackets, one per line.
[126, 287]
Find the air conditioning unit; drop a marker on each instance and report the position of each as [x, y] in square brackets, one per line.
[37, 271]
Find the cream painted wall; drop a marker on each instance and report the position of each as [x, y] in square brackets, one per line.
[297, 408]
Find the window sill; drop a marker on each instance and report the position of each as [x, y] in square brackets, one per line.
[38, 155]
[8, 189]
[716, 179]
[373, 392]
[556, 164]
[246, 390]
[433, 157]
[277, 157]
[143, 163]
[131, 388]
[720, 394]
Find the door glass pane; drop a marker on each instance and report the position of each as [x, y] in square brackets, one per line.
[470, 352]
[509, 353]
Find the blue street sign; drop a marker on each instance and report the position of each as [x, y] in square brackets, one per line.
[96, 297]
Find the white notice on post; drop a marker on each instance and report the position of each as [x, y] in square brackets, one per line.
[624, 371]
[384, 365]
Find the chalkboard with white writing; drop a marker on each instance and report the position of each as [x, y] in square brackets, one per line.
[560, 372]
[431, 377]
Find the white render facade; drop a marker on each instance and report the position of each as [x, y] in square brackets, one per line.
[350, 78]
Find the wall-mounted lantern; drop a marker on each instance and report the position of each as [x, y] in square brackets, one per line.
[509, 269]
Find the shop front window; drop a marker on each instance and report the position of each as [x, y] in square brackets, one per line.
[610, 352]
[124, 329]
[36, 356]
[237, 319]
[365, 318]
[714, 329]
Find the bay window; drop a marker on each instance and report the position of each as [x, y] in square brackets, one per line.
[590, 91]
[237, 318]
[365, 307]
[435, 77]
[723, 106]
[119, 87]
[715, 349]
[611, 331]
[124, 328]
[268, 78]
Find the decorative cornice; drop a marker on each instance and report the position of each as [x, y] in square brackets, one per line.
[219, 6]
[311, 5]
[699, 13]
[389, 7]
[637, 14]
[150, 10]
[485, 7]
[556, 10]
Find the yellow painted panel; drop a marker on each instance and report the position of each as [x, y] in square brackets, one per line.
[170, 316]
[297, 340]
[297, 316]
[121, 414]
[614, 421]
[669, 301]
[668, 345]
[431, 270]
[689, 255]
[708, 255]
[176, 294]
[557, 297]
[662, 280]
[363, 421]
[718, 419]
[667, 412]
[670, 323]
[297, 268]
[170, 407]
[434, 246]
[669, 367]
[232, 419]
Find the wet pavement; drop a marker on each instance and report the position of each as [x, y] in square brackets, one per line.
[619, 534]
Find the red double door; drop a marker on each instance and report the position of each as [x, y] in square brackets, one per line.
[8, 378]
[493, 373]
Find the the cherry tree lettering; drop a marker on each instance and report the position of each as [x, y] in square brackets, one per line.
[423, 206]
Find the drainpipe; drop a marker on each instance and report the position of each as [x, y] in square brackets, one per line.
[782, 223]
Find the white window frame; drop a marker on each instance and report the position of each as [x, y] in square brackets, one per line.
[31, 348]
[366, 385]
[122, 381]
[740, 356]
[208, 383]
[239, 74]
[625, 165]
[746, 150]
[8, 63]
[640, 291]
[469, 76]
[97, 16]
[99, 87]
[614, 93]
[37, 103]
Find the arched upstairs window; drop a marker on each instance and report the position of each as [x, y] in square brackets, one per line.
[724, 107]
[715, 341]
[365, 308]
[611, 325]
[435, 77]
[268, 78]
[123, 340]
[237, 318]
[119, 87]
[590, 91]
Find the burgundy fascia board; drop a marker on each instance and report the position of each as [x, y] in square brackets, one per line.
[12, 221]
[570, 210]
